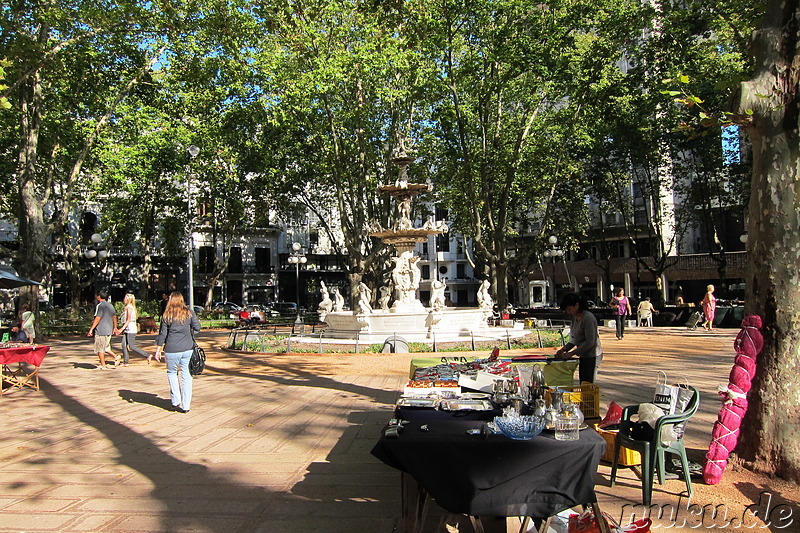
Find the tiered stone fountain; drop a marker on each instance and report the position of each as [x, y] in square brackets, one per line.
[406, 317]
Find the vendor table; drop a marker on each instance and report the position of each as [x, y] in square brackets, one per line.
[488, 474]
[21, 377]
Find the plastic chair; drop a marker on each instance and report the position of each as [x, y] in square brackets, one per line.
[5, 337]
[653, 450]
[646, 317]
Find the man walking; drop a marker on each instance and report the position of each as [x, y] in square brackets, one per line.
[103, 326]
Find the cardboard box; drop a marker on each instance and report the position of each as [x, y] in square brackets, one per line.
[627, 457]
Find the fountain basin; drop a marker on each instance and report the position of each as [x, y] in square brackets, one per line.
[380, 324]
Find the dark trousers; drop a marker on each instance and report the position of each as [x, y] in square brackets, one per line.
[587, 368]
[620, 325]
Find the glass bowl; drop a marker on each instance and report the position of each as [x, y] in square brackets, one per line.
[523, 427]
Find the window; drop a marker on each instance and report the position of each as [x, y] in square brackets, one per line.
[442, 243]
[235, 262]
[263, 260]
[207, 256]
[440, 213]
[461, 271]
[426, 271]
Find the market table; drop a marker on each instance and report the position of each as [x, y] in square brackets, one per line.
[21, 377]
[487, 474]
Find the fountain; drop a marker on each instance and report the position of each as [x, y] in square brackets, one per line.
[407, 316]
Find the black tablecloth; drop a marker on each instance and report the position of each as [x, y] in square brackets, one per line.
[492, 475]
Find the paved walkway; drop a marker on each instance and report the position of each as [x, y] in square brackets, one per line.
[272, 443]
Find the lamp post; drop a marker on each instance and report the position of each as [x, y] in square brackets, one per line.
[96, 251]
[193, 151]
[297, 257]
[553, 252]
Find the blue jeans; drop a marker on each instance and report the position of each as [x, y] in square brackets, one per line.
[180, 393]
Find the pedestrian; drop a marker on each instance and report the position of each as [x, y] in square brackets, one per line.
[103, 326]
[129, 329]
[709, 304]
[176, 339]
[584, 341]
[162, 305]
[27, 323]
[622, 306]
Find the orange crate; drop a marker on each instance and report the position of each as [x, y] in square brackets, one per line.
[627, 457]
[585, 394]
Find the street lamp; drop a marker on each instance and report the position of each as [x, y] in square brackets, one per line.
[297, 257]
[193, 151]
[96, 251]
[554, 253]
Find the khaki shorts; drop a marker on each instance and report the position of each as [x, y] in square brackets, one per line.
[102, 343]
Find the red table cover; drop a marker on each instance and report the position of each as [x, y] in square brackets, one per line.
[23, 354]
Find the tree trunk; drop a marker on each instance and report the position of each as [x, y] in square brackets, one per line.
[770, 433]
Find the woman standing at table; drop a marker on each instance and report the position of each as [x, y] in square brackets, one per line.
[129, 329]
[27, 321]
[584, 341]
[176, 339]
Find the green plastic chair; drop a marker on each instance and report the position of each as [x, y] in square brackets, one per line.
[5, 337]
[653, 450]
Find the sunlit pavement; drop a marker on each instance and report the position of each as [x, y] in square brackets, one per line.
[272, 443]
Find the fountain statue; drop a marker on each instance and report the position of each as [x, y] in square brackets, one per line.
[326, 304]
[406, 316]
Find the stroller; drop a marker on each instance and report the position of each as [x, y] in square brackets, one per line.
[695, 318]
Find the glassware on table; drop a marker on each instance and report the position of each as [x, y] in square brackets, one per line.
[567, 426]
[575, 409]
[518, 427]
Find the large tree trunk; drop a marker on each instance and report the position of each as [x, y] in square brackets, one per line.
[770, 435]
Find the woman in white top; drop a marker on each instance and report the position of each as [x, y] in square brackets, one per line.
[129, 329]
[27, 323]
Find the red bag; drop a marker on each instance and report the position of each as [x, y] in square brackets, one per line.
[613, 416]
[586, 522]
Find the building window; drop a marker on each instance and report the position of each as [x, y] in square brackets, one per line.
[235, 262]
[426, 271]
[206, 263]
[440, 213]
[442, 243]
[461, 271]
[263, 260]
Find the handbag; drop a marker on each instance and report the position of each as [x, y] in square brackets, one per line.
[197, 363]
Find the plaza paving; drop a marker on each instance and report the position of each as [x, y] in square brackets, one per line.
[280, 443]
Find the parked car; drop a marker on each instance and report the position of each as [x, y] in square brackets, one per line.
[228, 307]
[285, 308]
[269, 310]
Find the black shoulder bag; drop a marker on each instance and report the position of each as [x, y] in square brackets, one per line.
[198, 361]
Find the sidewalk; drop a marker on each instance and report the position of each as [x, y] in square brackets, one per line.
[273, 443]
